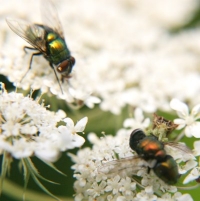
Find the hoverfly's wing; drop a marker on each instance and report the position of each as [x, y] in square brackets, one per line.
[180, 146]
[50, 17]
[129, 164]
[31, 33]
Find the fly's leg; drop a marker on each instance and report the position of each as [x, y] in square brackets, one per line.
[29, 48]
[56, 76]
[65, 77]
[34, 54]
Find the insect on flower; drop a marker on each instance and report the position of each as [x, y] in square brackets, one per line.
[46, 39]
[150, 154]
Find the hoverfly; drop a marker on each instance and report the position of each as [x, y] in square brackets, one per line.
[151, 154]
[46, 39]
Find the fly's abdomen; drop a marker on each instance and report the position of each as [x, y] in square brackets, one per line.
[57, 49]
[167, 170]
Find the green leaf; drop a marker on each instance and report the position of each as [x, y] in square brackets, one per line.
[51, 165]
[33, 171]
[26, 177]
[30, 170]
[5, 168]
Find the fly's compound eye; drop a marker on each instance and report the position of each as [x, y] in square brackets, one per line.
[136, 136]
[65, 67]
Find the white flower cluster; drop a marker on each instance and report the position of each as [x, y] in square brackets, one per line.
[101, 176]
[28, 128]
[189, 121]
[124, 51]
[94, 184]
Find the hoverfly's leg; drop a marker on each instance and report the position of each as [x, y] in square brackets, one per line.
[34, 54]
[56, 76]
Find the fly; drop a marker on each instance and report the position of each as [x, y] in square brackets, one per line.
[151, 154]
[47, 40]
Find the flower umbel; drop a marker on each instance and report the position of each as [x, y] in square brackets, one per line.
[138, 54]
[112, 171]
[29, 129]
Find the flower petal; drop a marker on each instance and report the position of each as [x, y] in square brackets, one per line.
[47, 152]
[180, 107]
[77, 140]
[69, 123]
[22, 148]
[91, 101]
[188, 131]
[194, 174]
[197, 148]
[195, 110]
[181, 123]
[129, 123]
[138, 114]
[80, 125]
[193, 130]
[69, 140]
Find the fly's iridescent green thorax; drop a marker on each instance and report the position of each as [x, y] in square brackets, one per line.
[57, 50]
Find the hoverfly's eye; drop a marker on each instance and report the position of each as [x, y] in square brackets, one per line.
[66, 66]
[136, 136]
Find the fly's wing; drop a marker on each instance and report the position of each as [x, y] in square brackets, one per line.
[180, 146]
[50, 17]
[31, 33]
[129, 164]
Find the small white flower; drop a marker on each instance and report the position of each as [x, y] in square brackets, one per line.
[69, 140]
[22, 148]
[97, 190]
[197, 148]
[138, 121]
[127, 186]
[143, 195]
[177, 196]
[46, 150]
[79, 127]
[86, 98]
[113, 185]
[91, 100]
[187, 119]
[194, 174]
